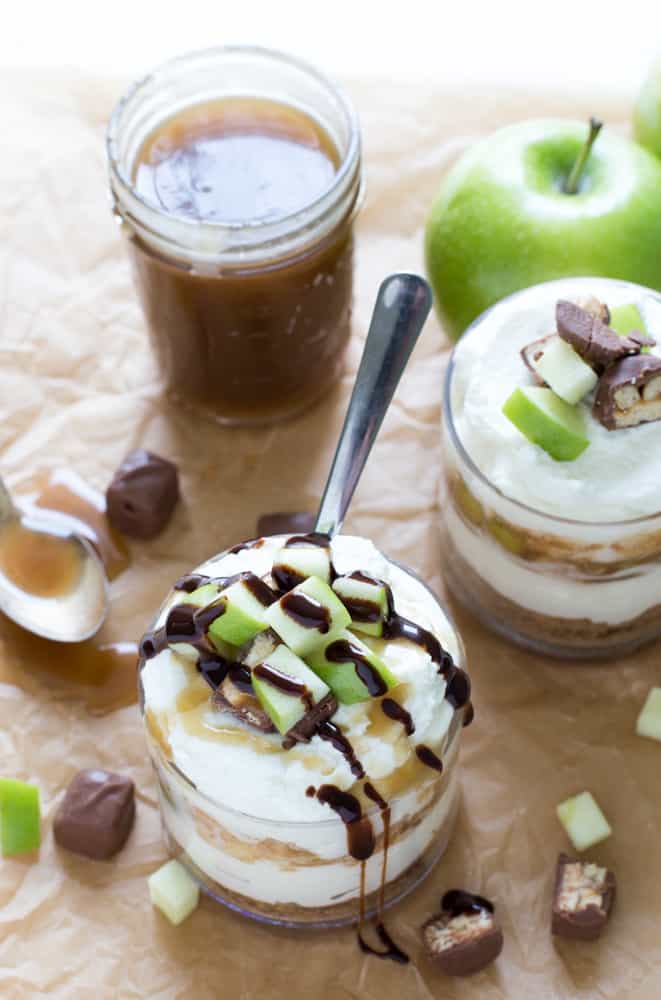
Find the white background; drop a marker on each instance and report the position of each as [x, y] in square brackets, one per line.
[552, 45]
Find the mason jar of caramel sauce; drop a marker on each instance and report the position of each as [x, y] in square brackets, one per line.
[236, 175]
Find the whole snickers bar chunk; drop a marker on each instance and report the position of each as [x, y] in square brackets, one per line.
[142, 495]
[590, 337]
[465, 936]
[96, 814]
[583, 899]
[629, 393]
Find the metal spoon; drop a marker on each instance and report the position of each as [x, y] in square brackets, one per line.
[402, 306]
[71, 616]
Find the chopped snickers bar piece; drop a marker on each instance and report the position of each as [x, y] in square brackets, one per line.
[299, 523]
[96, 814]
[305, 729]
[597, 308]
[142, 495]
[583, 899]
[235, 695]
[594, 340]
[629, 393]
[533, 352]
[465, 936]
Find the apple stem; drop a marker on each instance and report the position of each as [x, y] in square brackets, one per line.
[574, 179]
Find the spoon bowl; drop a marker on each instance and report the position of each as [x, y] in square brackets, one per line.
[52, 581]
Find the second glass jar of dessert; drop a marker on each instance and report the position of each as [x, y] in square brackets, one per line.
[561, 556]
[236, 174]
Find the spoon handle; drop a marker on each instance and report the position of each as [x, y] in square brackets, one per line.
[402, 306]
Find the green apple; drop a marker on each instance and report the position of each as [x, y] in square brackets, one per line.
[626, 319]
[269, 680]
[173, 891]
[307, 616]
[242, 615]
[366, 600]
[502, 219]
[647, 112]
[338, 664]
[564, 371]
[547, 421]
[20, 817]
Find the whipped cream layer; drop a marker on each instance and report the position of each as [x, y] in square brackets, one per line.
[256, 792]
[618, 477]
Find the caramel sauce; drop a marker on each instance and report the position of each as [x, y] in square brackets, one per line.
[39, 563]
[102, 674]
[82, 509]
[236, 160]
[265, 339]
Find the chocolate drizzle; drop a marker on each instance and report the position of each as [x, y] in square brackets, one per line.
[344, 651]
[360, 835]
[398, 627]
[283, 682]
[332, 733]
[428, 757]
[393, 951]
[254, 543]
[397, 713]
[306, 612]
[457, 902]
[315, 538]
[191, 582]
[458, 690]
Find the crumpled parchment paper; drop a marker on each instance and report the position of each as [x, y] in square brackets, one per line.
[78, 388]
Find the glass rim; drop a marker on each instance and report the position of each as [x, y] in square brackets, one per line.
[451, 741]
[448, 418]
[343, 176]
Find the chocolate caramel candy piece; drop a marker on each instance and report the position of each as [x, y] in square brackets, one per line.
[305, 729]
[236, 696]
[96, 814]
[297, 523]
[629, 393]
[532, 352]
[465, 936]
[597, 308]
[142, 495]
[582, 900]
[594, 340]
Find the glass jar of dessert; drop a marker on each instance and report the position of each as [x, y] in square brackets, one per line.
[236, 174]
[303, 701]
[551, 512]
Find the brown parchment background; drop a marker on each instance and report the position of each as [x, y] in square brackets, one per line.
[78, 388]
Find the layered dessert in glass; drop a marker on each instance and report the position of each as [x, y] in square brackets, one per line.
[551, 512]
[303, 701]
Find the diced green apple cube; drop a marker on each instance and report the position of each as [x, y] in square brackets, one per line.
[243, 617]
[303, 561]
[20, 817]
[307, 616]
[360, 595]
[342, 676]
[286, 708]
[627, 319]
[203, 595]
[649, 720]
[547, 421]
[173, 891]
[583, 820]
[564, 371]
